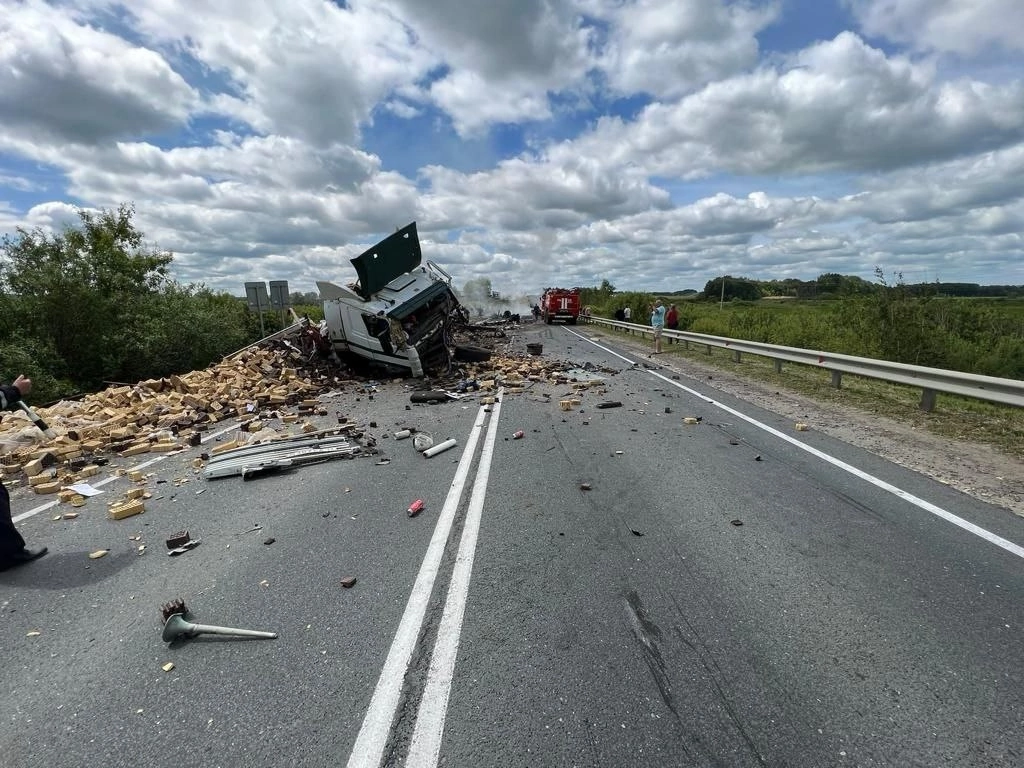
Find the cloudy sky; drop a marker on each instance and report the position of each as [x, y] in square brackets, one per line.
[653, 143]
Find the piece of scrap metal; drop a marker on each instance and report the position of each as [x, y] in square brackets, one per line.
[191, 544]
[280, 459]
[275, 446]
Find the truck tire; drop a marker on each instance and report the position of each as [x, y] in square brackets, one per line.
[548, 320]
[572, 321]
[469, 354]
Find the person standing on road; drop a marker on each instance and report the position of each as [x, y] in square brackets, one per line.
[13, 551]
[658, 324]
[672, 318]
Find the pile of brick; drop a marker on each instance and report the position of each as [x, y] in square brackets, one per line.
[516, 373]
[158, 415]
[513, 371]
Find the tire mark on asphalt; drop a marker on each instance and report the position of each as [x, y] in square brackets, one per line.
[648, 634]
[716, 676]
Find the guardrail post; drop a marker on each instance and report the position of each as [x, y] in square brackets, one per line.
[927, 400]
[736, 355]
[930, 380]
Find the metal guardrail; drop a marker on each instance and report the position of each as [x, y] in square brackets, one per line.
[930, 380]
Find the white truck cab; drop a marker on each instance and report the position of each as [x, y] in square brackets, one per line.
[399, 313]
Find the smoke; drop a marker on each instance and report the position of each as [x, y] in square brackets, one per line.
[476, 297]
[481, 309]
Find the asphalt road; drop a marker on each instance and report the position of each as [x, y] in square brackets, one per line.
[726, 593]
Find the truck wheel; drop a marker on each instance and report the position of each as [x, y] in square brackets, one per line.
[469, 354]
[572, 321]
[548, 320]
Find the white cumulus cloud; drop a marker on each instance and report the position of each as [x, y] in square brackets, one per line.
[966, 27]
[70, 81]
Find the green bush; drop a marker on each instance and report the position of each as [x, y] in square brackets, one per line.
[984, 336]
[94, 304]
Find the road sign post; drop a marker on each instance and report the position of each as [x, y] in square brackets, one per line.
[279, 299]
[258, 299]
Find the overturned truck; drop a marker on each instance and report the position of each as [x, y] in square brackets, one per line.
[399, 313]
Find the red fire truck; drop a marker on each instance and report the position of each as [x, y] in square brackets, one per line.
[560, 304]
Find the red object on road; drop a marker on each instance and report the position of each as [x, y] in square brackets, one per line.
[518, 434]
[416, 507]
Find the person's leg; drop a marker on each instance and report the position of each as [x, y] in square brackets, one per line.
[11, 542]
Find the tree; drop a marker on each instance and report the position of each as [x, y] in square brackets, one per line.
[184, 328]
[80, 290]
[298, 299]
[739, 288]
[94, 304]
[830, 282]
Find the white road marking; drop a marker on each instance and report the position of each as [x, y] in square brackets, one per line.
[425, 747]
[368, 750]
[934, 509]
[100, 483]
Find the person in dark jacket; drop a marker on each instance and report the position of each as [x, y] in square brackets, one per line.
[13, 551]
[672, 317]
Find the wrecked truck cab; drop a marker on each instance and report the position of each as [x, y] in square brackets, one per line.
[399, 313]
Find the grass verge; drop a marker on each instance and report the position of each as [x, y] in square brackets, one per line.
[959, 418]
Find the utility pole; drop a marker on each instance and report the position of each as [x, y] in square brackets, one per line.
[722, 303]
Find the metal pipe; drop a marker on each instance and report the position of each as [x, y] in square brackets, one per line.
[176, 627]
[440, 447]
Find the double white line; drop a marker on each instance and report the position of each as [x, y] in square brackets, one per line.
[425, 746]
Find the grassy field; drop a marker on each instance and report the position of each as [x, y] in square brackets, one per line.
[983, 336]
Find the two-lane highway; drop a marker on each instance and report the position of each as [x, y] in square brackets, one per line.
[619, 587]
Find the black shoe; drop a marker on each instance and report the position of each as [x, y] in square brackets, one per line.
[25, 556]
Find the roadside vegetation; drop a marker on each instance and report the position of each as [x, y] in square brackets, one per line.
[94, 305]
[977, 329]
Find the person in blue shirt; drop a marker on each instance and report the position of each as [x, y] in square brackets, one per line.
[658, 324]
[13, 551]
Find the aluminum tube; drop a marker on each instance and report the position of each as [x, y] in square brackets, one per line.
[440, 447]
